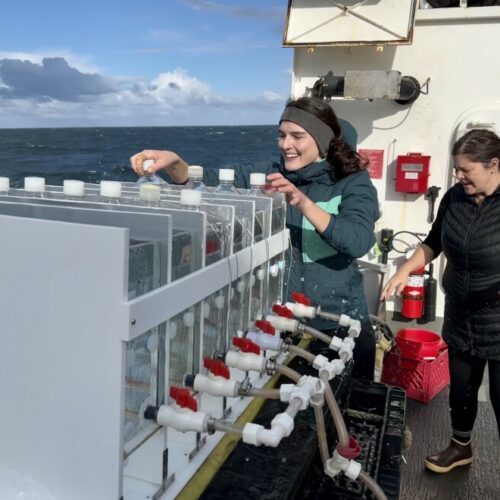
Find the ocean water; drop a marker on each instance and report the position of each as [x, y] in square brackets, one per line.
[92, 154]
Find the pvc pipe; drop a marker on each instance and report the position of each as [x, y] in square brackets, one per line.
[336, 413]
[224, 426]
[317, 334]
[372, 485]
[328, 315]
[287, 372]
[293, 407]
[260, 393]
[321, 431]
[308, 356]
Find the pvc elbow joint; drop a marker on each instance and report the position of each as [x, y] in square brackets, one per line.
[345, 351]
[246, 361]
[305, 388]
[328, 368]
[301, 310]
[354, 329]
[182, 419]
[338, 464]
[281, 426]
[216, 386]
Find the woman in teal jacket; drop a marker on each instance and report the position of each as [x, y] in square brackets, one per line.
[331, 213]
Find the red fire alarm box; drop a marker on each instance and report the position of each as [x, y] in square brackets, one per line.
[412, 173]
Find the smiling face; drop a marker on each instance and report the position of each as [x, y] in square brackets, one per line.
[478, 179]
[297, 146]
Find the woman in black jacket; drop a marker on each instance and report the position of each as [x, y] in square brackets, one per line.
[467, 231]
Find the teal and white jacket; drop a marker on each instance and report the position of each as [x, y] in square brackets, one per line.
[323, 265]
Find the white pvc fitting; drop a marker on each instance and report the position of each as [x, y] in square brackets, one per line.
[257, 179]
[344, 320]
[346, 348]
[195, 171]
[354, 329]
[336, 343]
[4, 183]
[301, 310]
[147, 164]
[149, 192]
[34, 184]
[226, 174]
[111, 189]
[265, 341]
[283, 324]
[73, 187]
[246, 361]
[281, 426]
[216, 386]
[190, 197]
[182, 419]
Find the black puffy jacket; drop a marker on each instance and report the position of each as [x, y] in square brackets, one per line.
[469, 236]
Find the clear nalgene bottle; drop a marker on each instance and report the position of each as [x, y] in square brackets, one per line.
[35, 186]
[149, 178]
[257, 183]
[4, 185]
[195, 173]
[226, 181]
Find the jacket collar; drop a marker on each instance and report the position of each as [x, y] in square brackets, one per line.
[314, 172]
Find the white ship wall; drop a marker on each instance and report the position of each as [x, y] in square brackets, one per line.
[456, 48]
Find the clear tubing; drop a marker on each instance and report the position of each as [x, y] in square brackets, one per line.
[372, 485]
[294, 407]
[261, 393]
[287, 372]
[336, 413]
[308, 356]
[328, 315]
[317, 334]
[320, 428]
[224, 426]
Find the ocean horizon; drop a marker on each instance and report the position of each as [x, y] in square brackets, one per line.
[94, 153]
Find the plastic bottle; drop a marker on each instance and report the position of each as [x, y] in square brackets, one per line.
[4, 185]
[111, 191]
[226, 181]
[35, 186]
[257, 183]
[149, 194]
[195, 173]
[150, 178]
[191, 199]
[73, 190]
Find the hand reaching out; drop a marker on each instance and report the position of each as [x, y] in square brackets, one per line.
[293, 195]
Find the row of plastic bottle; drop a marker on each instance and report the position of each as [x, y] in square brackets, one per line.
[150, 185]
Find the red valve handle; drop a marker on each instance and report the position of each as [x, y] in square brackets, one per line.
[246, 345]
[216, 367]
[351, 451]
[282, 311]
[183, 398]
[265, 326]
[301, 298]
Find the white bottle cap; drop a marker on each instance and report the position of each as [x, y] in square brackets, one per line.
[149, 192]
[73, 188]
[147, 164]
[34, 184]
[111, 189]
[226, 174]
[190, 197]
[4, 184]
[257, 179]
[195, 171]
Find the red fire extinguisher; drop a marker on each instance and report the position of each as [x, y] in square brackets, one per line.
[412, 306]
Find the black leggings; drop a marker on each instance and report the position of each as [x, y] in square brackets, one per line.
[466, 375]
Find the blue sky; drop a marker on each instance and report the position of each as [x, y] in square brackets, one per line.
[130, 63]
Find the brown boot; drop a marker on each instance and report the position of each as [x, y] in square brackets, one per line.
[455, 455]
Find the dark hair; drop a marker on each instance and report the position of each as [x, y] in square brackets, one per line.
[341, 156]
[479, 145]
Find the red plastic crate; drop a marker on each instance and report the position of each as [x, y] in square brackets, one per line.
[422, 380]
